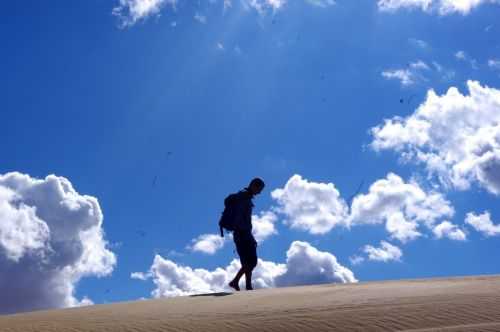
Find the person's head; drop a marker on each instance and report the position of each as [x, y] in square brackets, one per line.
[256, 186]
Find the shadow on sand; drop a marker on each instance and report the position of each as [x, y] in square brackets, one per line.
[212, 294]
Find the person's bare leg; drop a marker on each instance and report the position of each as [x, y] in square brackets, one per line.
[234, 283]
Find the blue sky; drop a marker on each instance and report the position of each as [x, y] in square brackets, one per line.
[161, 117]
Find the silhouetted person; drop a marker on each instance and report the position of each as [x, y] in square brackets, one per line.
[241, 219]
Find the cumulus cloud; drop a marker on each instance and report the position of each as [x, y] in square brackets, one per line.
[442, 7]
[263, 228]
[310, 206]
[449, 230]
[482, 223]
[304, 265]
[385, 253]
[263, 225]
[131, 11]
[410, 75]
[207, 243]
[50, 237]
[21, 231]
[457, 137]
[401, 206]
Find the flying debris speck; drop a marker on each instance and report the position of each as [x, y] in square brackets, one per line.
[155, 179]
[408, 100]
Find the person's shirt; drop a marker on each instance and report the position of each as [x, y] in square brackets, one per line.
[244, 210]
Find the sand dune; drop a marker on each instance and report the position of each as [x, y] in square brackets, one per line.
[452, 304]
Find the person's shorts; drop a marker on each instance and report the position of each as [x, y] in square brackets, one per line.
[246, 246]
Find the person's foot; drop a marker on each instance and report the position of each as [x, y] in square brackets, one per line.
[249, 288]
[234, 284]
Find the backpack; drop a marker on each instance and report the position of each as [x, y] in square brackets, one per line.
[227, 220]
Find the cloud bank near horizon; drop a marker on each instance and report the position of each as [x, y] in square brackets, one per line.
[305, 265]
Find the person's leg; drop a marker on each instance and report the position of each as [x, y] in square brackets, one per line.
[248, 278]
[251, 264]
[235, 282]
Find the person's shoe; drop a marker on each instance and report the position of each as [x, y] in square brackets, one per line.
[249, 288]
[234, 284]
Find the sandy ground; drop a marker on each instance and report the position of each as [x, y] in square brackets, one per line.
[452, 304]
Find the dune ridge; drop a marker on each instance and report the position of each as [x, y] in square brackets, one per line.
[444, 304]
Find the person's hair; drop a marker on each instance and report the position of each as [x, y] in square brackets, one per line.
[257, 182]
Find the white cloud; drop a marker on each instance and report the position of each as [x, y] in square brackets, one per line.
[422, 44]
[400, 228]
[131, 11]
[385, 253]
[261, 6]
[139, 276]
[200, 18]
[402, 206]
[356, 259]
[21, 232]
[263, 225]
[449, 230]
[442, 72]
[403, 75]
[317, 207]
[207, 243]
[305, 265]
[227, 4]
[494, 64]
[457, 137]
[321, 3]
[50, 237]
[419, 65]
[462, 56]
[311, 206]
[443, 7]
[482, 223]
[408, 76]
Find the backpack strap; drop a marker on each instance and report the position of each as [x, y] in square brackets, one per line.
[221, 231]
